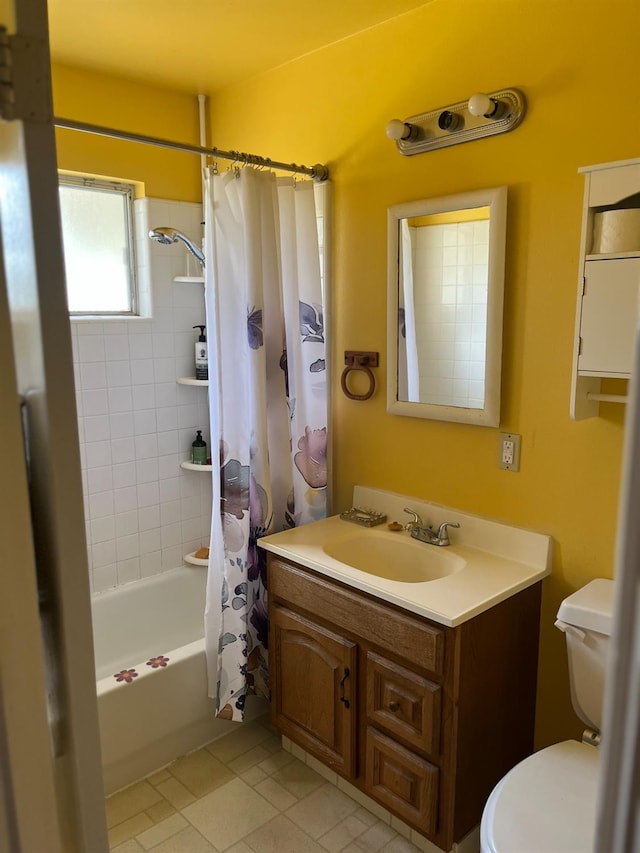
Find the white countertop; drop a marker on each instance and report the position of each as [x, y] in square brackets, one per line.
[500, 560]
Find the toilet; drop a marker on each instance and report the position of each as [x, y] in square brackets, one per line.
[547, 803]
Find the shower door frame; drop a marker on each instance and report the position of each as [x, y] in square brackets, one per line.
[51, 793]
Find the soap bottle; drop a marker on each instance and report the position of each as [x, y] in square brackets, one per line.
[199, 450]
[202, 360]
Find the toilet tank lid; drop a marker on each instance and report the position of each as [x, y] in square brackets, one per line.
[590, 607]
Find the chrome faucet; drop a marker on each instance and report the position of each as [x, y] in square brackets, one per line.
[430, 536]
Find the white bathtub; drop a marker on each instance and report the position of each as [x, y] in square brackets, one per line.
[152, 684]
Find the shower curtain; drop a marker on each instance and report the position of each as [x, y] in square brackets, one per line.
[268, 406]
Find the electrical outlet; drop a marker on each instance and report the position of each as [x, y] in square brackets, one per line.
[509, 451]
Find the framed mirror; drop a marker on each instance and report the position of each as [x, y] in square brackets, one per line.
[444, 314]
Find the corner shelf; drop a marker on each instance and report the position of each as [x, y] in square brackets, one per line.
[189, 380]
[189, 466]
[189, 279]
[195, 561]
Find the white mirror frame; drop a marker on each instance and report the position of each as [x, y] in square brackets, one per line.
[496, 200]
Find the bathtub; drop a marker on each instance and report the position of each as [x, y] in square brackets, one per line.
[151, 675]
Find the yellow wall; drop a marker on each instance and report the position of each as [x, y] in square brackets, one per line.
[333, 106]
[472, 214]
[95, 98]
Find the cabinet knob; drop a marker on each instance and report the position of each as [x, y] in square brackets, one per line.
[394, 706]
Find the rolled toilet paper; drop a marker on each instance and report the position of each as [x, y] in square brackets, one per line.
[616, 231]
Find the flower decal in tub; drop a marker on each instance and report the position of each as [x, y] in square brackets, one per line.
[126, 675]
[161, 660]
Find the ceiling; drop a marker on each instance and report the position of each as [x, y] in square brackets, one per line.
[204, 45]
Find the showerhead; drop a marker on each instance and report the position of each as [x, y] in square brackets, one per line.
[166, 236]
[162, 235]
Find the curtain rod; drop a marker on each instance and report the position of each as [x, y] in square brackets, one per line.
[319, 172]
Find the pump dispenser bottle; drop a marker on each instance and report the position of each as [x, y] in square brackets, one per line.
[202, 360]
[199, 450]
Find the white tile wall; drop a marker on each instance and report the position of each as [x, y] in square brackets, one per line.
[143, 512]
[451, 310]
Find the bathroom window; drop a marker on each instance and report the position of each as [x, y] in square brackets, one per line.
[97, 232]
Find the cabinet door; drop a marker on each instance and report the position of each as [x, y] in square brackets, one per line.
[314, 681]
[609, 316]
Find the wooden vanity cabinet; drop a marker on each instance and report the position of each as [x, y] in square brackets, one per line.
[423, 718]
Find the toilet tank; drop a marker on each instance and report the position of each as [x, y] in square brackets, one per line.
[585, 617]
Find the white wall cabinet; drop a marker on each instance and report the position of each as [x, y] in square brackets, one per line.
[608, 322]
[608, 285]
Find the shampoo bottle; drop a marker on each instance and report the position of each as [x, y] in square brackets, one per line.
[202, 360]
[199, 450]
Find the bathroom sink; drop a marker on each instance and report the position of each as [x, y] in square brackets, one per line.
[394, 556]
[486, 563]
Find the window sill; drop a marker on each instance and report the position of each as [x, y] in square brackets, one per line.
[108, 318]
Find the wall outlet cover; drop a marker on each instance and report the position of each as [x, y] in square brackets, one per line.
[509, 451]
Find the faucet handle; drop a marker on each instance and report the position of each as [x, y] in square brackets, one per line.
[442, 530]
[415, 522]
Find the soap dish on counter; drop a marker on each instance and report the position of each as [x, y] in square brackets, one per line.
[365, 517]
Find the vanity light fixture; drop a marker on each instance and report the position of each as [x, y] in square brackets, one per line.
[482, 115]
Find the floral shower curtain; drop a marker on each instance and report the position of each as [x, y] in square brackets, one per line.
[268, 406]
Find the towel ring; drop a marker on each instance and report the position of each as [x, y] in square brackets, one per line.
[363, 361]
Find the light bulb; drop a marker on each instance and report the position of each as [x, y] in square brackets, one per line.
[397, 129]
[482, 105]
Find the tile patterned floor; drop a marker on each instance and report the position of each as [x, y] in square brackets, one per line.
[244, 794]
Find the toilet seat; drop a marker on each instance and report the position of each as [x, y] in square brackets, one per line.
[545, 803]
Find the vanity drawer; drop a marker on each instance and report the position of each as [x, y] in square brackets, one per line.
[402, 781]
[410, 637]
[404, 703]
